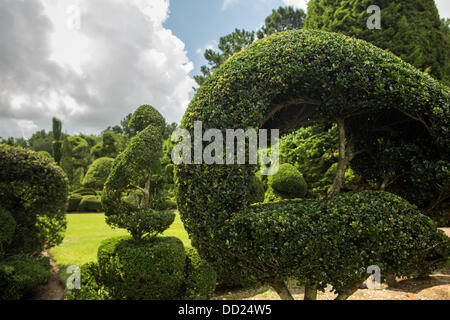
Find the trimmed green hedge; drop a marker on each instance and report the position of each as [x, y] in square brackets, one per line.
[316, 76]
[90, 204]
[74, 202]
[145, 270]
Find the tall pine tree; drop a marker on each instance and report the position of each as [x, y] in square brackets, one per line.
[410, 29]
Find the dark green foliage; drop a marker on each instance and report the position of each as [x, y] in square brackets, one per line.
[144, 270]
[145, 116]
[97, 173]
[200, 279]
[107, 148]
[410, 29]
[142, 222]
[85, 192]
[90, 288]
[307, 76]
[7, 228]
[136, 170]
[57, 136]
[168, 173]
[34, 190]
[45, 154]
[313, 150]
[282, 19]
[41, 141]
[90, 204]
[74, 202]
[256, 192]
[75, 159]
[20, 274]
[346, 233]
[288, 182]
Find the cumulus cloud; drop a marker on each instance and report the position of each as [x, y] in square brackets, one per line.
[299, 4]
[120, 57]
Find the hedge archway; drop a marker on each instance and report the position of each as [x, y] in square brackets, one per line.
[285, 81]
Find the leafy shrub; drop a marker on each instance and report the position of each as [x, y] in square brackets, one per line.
[288, 182]
[20, 274]
[74, 202]
[256, 192]
[90, 204]
[144, 270]
[75, 159]
[34, 190]
[90, 288]
[200, 280]
[168, 172]
[313, 150]
[7, 228]
[97, 173]
[85, 192]
[107, 148]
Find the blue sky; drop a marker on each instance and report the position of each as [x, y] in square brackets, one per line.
[199, 23]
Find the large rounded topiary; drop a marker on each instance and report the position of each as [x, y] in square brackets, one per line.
[292, 79]
[97, 173]
[34, 191]
[288, 182]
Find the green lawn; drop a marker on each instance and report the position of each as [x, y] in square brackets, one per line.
[86, 231]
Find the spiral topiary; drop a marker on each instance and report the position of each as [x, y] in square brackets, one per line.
[285, 81]
[144, 266]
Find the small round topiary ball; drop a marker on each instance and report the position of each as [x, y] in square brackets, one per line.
[288, 182]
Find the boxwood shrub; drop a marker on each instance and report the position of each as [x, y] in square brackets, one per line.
[90, 204]
[91, 287]
[144, 270]
[7, 228]
[74, 202]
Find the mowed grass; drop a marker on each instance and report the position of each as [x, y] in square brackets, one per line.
[85, 232]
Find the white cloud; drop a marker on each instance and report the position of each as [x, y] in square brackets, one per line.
[444, 8]
[299, 4]
[228, 3]
[120, 58]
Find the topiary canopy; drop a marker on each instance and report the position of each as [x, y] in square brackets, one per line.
[292, 79]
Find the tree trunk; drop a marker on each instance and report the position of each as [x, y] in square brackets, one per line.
[280, 287]
[310, 292]
[391, 281]
[349, 292]
[342, 162]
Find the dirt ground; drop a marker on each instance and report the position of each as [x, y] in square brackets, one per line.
[54, 289]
